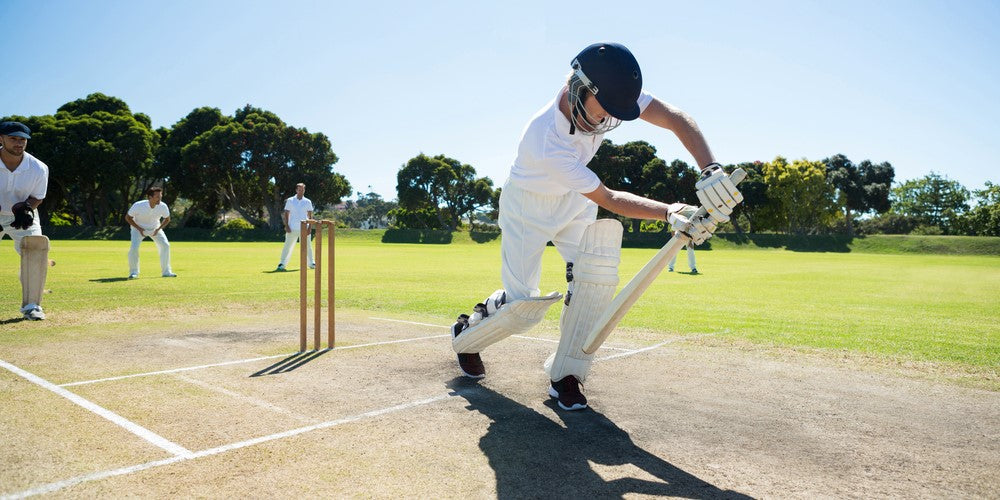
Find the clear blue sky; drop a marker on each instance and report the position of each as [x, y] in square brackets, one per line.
[915, 83]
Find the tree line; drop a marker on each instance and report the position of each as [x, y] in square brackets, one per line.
[102, 157]
[832, 195]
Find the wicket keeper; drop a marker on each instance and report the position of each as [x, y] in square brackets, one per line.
[23, 184]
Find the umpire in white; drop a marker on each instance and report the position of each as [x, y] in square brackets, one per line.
[297, 209]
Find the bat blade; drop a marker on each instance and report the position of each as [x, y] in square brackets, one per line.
[634, 289]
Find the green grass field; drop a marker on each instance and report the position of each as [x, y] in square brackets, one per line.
[939, 310]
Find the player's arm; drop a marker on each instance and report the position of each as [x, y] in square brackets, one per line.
[33, 202]
[131, 222]
[163, 224]
[683, 126]
[631, 205]
[284, 217]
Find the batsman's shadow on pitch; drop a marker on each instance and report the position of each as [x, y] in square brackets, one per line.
[108, 280]
[534, 457]
[290, 363]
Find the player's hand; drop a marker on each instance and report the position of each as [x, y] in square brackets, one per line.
[699, 228]
[717, 193]
[702, 228]
[24, 216]
[682, 209]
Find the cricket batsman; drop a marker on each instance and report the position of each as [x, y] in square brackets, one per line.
[24, 181]
[551, 195]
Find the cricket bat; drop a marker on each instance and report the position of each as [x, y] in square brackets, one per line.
[634, 289]
[34, 268]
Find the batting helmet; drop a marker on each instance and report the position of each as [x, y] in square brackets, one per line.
[612, 74]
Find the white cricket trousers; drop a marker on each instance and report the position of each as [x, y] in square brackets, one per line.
[162, 246]
[290, 238]
[528, 221]
[691, 264]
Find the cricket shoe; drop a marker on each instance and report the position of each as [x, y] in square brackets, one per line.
[33, 312]
[470, 363]
[281, 267]
[133, 276]
[169, 275]
[567, 392]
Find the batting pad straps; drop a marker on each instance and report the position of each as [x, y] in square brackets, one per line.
[595, 278]
[513, 318]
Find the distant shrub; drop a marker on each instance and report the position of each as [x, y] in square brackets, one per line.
[236, 225]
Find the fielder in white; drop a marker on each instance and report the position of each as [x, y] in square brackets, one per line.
[551, 195]
[148, 218]
[297, 209]
[691, 263]
[24, 182]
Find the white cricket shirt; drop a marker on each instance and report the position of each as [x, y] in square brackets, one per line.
[553, 162]
[30, 178]
[146, 217]
[298, 210]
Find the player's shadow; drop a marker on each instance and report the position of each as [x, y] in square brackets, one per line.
[13, 320]
[280, 271]
[534, 457]
[290, 363]
[107, 280]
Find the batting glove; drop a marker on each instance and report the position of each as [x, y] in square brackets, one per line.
[717, 193]
[698, 229]
[24, 216]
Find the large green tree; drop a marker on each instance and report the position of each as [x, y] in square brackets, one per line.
[984, 218]
[634, 167]
[254, 160]
[858, 189]
[755, 200]
[188, 179]
[800, 198]
[848, 193]
[877, 180]
[934, 200]
[440, 186]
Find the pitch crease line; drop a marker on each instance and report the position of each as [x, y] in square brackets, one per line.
[409, 322]
[236, 362]
[515, 336]
[144, 433]
[654, 346]
[51, 487]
